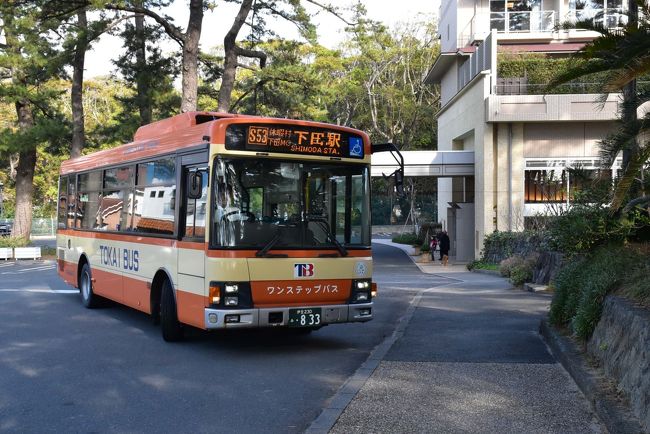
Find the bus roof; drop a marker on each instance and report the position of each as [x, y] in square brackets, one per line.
[185, 130]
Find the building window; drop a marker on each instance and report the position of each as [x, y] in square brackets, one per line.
[516, 15]
[545, 186]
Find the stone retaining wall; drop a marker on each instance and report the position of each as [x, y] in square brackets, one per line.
[621, 343]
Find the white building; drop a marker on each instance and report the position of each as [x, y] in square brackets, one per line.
[522, 138]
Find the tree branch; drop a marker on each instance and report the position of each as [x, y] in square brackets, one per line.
[332, 10]
[252, 53]
[173, 31]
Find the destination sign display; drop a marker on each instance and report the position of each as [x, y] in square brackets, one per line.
[294, 139]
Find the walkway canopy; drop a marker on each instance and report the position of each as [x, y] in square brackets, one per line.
[441, 164]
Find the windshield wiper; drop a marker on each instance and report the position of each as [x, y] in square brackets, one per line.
[264, 252]
[326, 228]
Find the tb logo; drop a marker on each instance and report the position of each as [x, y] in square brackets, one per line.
[303, 270]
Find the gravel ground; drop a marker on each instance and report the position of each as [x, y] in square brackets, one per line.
[423, 397]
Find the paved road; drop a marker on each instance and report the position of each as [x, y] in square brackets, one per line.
[64, 368]
[470, 360]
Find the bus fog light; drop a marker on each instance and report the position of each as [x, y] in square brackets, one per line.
[363, 285]
[232, 288]
[230, 319]
[364, 312]
[362, 296]
[212, 318]
[232, 301]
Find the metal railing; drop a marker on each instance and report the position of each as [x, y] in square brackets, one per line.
[519, 86]
[609, 18]
[523, 21]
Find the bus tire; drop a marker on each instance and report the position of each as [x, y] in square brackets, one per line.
[172, 331]
[88, 297]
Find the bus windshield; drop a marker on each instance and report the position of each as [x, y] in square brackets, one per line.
[264, 204]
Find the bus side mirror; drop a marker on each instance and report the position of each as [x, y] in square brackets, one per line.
[195, 185]
[399, 182]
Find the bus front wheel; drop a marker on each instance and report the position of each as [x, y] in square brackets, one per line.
[172, 330]
[88, 297]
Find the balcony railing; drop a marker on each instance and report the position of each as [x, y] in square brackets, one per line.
[520, 86]
[609, 18]
[523, 21]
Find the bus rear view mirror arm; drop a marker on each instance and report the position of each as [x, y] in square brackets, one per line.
[399, 159]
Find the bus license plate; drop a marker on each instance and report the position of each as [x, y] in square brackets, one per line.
[306, 317]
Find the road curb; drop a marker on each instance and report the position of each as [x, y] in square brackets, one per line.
[611, 412]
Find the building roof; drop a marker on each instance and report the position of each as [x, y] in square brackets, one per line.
[441, 65]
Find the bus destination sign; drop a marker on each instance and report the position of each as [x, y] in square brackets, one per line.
[294, 139]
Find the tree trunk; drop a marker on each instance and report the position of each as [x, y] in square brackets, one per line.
[230, 60]
[24, 176]
[144, 93]
[190, 81]
[78, 130]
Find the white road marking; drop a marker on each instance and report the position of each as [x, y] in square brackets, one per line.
[44, 291]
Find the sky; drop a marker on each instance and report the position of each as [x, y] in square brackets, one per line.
[217, 22]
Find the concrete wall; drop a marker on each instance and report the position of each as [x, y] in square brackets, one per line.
[510, 176]
[449, 84]
[448, 26]
[465, 119]
[465, 232]
[621, 343]
[564, 139]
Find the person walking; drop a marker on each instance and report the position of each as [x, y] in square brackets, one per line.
[433, 245]
[444, 247]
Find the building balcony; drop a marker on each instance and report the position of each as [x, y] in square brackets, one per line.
[552, 108]
[609, 18]
[523, 21]
[537, 25]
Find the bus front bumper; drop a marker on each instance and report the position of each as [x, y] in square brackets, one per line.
[279, 316]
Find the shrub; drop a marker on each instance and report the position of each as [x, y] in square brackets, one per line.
[522, 271]
[425, 247]
[507, 265]
[407, 238]
[13, 242]
[581, 286]
[480, 265]
[583, 228]
[502, 245]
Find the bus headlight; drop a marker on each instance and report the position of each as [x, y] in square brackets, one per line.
[231, 301]
[361, 296]
[231, 288]
[231, 295]
[363, 284]
[361, 291]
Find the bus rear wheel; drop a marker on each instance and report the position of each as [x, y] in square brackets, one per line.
[172, 330]
[88, 298]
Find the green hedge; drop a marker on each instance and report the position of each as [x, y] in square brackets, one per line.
[502, 245]
[582, 284]
[409, 238]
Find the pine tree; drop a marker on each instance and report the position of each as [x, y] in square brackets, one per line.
[144, 67]
[28, 60]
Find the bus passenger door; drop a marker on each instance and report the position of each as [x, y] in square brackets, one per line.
[190, 296]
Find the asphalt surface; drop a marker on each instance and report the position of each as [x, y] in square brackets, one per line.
[64, 368]
[471, 360]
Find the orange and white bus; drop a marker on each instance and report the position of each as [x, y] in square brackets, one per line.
[221, 221]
